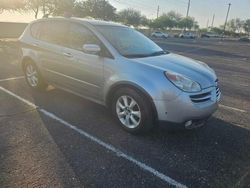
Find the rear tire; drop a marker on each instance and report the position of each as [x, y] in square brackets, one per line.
[132, 110]
[33, 77]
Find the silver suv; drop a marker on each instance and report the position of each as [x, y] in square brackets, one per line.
[120, 68]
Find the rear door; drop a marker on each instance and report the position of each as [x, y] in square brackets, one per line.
[53, 36]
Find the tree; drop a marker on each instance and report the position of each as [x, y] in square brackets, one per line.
[39, 5]
[60, 7]
[231, 25]
[33, 5]
[156, 24]
[218, 30]
[187, 22]
[49, 7]
[247, 26]
[131, 17]
[196, 26]
[235, 25]
[239, 25]
[174, 18]
[145, 21]
[100, 9]
[11, 5]
[170, 20]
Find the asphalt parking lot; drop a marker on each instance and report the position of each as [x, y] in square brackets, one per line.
[56, 139]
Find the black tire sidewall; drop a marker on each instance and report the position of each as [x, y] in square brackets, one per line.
[146, 110]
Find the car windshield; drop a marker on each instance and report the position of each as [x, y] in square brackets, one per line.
[129, 42]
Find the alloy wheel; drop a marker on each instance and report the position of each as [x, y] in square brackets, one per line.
[31, 75]
[128, 112]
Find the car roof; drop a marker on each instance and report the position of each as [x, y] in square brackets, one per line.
[90, 21]
[97, 22]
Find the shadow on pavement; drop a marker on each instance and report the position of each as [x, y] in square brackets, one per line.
[216, 155]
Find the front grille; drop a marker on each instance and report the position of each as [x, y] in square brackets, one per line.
[201, 97]
[217, 90]
[207, 95]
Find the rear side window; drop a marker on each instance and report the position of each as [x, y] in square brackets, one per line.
[79, 35]
[55, 32]
[35, 30]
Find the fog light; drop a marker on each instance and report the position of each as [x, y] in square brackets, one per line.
[188, 123]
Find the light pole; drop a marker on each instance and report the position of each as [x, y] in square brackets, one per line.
[207, 24]
[228, 10]
[188, 8]
[187, 13]
[212, 25]
[158, 9]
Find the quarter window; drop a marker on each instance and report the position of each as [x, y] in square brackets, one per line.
[35, 30]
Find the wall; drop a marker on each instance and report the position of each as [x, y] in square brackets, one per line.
[11, 30]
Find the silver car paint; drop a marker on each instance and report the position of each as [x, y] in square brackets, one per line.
[92, 76]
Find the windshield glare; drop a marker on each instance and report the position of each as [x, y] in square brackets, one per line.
[129, 42]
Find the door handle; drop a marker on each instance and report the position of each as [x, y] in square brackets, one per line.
[35, 44]
[67, 54]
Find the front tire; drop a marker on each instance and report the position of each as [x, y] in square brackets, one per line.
[132, 111]
[33, 77]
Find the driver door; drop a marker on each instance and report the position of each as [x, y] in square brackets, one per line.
[82, 72]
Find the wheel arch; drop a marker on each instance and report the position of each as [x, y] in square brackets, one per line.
[25, 60]
[117, 86]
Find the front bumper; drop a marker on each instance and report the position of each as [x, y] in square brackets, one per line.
[189, 106]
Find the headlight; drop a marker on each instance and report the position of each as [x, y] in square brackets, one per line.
[183, 82]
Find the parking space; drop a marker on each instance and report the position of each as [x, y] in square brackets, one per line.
[76, 143]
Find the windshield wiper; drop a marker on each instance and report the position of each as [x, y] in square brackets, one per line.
[145, 55]
[135, 55]
[158, 53]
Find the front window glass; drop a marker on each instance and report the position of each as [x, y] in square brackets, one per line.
[79, 35]
[129, 42]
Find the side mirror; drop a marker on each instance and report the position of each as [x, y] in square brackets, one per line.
[91, 49]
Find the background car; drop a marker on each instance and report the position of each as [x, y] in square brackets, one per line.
[210, 35]
[245, 39]
[158, 34]
[188, 35]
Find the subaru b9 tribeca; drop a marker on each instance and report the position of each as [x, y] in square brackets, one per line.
[120, 68]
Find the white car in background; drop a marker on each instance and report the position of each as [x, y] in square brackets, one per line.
[187, 35]
[158, 34]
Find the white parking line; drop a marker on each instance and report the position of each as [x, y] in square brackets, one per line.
[14, 78]
[232, 108]
[244, 85]
[107, 146]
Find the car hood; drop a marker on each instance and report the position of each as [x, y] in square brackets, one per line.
[195, 70]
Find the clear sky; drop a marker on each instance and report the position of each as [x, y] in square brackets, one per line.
[202, 10]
